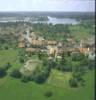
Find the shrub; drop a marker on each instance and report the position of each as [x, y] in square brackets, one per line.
[6, 47]
[25, 79]
[7, 66]
[16, 73]
[48, 94]
[41, 74]
[77, 57]
[73, 82]
[21, 59]
[83, 83]
[91, 65]
[2, 72]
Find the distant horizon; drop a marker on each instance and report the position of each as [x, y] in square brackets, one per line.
[47, 5]
[50, 11]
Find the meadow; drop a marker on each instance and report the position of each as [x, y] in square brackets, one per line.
[57, 83]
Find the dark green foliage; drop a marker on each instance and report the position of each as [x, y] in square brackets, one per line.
[65, 64]
[52, 64]
[16, 73]
[77, 79]
[63, 60]
[66, 68]
[6, 47]
[7, 66]
[78, 76]
[42, 56]
[83, 82]
[25, 79]
[91, 64]
[8, 41]
[52, 31]
[73, 82]
[48, 94]
[21, 59]
[22, 56]
[40, 76]
[2, 72]
[78, 57]
[41, 73]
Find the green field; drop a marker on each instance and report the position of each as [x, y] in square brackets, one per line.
[9, 56]
[14, 89]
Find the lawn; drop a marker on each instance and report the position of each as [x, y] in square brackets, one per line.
[9, 56]
[14, 89]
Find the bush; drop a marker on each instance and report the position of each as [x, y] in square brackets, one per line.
[25, 79]
[77, 57]
[48, 94]
[83, 83]
[40, 77]
[2, 72]
[91, 65]
[16, 73]
[73, 82]
[41, 74]
[21, 59]
[7, 66]
[6, 47]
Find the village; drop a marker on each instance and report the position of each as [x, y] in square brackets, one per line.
[32, 43]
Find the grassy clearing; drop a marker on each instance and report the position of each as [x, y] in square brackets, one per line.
[10, 56]
[59, 79]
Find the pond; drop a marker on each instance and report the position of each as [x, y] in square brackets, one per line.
[54, 21]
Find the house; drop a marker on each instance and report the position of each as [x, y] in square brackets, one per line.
[50, 42]
[21, 39]
[33, 36]
[21, 45]
[85, 51]
[32, 50]
[38, 42]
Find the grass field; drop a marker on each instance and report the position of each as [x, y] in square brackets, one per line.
[14, 89]
[9, 56]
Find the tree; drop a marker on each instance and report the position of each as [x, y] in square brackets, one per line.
[63, 60]
[73, 82]
[21, 59]
[6, 47]
[2, 72]
[40, 56]
[16, 73]
[91, 64]
[48, 94]
[25, 79]
[41, 74]
[63, 64]
[7, 66]
[78, 57]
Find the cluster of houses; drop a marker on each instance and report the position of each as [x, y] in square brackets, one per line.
[36, 44]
